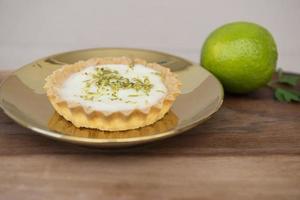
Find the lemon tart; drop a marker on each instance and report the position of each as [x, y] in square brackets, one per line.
[112, 94]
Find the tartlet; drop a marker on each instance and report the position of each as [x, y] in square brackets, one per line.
[112, 93]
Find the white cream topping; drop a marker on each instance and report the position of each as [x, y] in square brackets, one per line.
[74, 89]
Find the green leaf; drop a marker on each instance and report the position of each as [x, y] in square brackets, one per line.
[284, 95]
[288, 78]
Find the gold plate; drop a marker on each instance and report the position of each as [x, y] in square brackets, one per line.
[23, 98]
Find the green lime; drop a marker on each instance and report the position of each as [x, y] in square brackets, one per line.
[242, 55]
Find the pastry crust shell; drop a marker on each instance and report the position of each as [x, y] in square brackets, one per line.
[82, 116]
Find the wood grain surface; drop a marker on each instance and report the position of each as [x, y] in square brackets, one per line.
[250, 149]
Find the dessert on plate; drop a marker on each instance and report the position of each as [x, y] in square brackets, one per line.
[112, 94]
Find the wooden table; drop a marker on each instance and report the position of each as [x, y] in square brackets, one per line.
[249, 150]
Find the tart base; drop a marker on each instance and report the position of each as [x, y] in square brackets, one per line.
[113, 122]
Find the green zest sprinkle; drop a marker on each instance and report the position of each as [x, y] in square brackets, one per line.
[131, 65]
[156, 73]
[133, 95]
[160, 91]
[110, 82]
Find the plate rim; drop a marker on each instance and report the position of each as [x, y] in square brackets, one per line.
[107, 141]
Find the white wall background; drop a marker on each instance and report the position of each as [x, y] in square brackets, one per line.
[36, 28]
